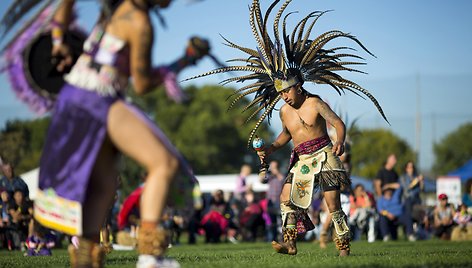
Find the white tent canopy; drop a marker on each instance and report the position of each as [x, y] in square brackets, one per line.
[208, 183]
[31, 179]
[227, 183]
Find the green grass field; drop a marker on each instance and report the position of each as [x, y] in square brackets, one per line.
[433, 253]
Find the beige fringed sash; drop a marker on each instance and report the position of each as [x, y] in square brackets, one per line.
[305, 170]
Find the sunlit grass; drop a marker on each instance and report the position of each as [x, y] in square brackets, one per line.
[432, 253]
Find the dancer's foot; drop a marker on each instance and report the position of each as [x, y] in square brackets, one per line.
[344, 253]
[284, 248]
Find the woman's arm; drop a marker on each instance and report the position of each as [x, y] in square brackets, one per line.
[63, 13]
[60, 22]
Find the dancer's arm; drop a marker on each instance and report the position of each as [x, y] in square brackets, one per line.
[283, 138]
[60, 22]
[333, 119]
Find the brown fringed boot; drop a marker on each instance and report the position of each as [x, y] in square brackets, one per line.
[289, 246]
[107, 247]
[152, 243]
[88, 254]
[342, 233]
[289, 231]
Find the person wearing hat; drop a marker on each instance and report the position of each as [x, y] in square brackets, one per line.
[443, 218]
[392, 213]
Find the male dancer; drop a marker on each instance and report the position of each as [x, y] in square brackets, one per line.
[279, 71]
[315, 161]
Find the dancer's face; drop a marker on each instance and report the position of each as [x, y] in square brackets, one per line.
[292, 95]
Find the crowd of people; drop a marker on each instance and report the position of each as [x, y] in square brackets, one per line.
[394, 210]
[248, 216]
[18, 230]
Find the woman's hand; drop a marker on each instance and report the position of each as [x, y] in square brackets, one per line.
[61, 56]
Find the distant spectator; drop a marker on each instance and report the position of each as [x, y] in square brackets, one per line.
[5, 220]
[4, 201]
[274, 178]
[362, 214]
[462, 217]
[21, 211]
[217, 201]
[386, 174]
[463, 230]
[40, 242]
[214, 223]
[392, 214]
[467, 197]
[11, 182]
[443, 218]
[251, 218]
[412, 184]
[241, 183]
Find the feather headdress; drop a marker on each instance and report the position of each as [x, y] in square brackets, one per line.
[275, 67]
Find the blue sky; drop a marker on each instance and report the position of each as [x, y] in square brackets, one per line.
[422, 65]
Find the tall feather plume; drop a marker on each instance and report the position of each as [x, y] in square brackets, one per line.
[277, 19]
[240, 78]
[254, 114]
[264, 115]
[241, 96]
[260, 44]
[270, 61]
[15, 12]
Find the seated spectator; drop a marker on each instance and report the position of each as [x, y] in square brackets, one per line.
[40, 242]
[392, 214]
[5, 220]
[214, 223]
[362, 214]
[21, 212]
[251, 218]
[443, 218]
[463, 230]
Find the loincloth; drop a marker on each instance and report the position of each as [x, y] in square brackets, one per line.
[313, 166]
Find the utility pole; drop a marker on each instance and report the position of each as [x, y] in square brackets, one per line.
[418, 120]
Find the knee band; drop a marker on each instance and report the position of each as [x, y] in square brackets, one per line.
[340, 224]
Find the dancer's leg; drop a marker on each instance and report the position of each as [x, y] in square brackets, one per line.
[289, 224]
[100, 195]
[339, 219]
[133, 137]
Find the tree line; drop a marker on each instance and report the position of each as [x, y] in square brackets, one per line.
[214, 139]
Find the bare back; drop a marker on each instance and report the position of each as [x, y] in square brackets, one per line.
[133, 25]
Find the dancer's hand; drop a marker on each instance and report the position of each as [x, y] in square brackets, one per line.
[262, 154]
[338, 148]
[61, 57]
